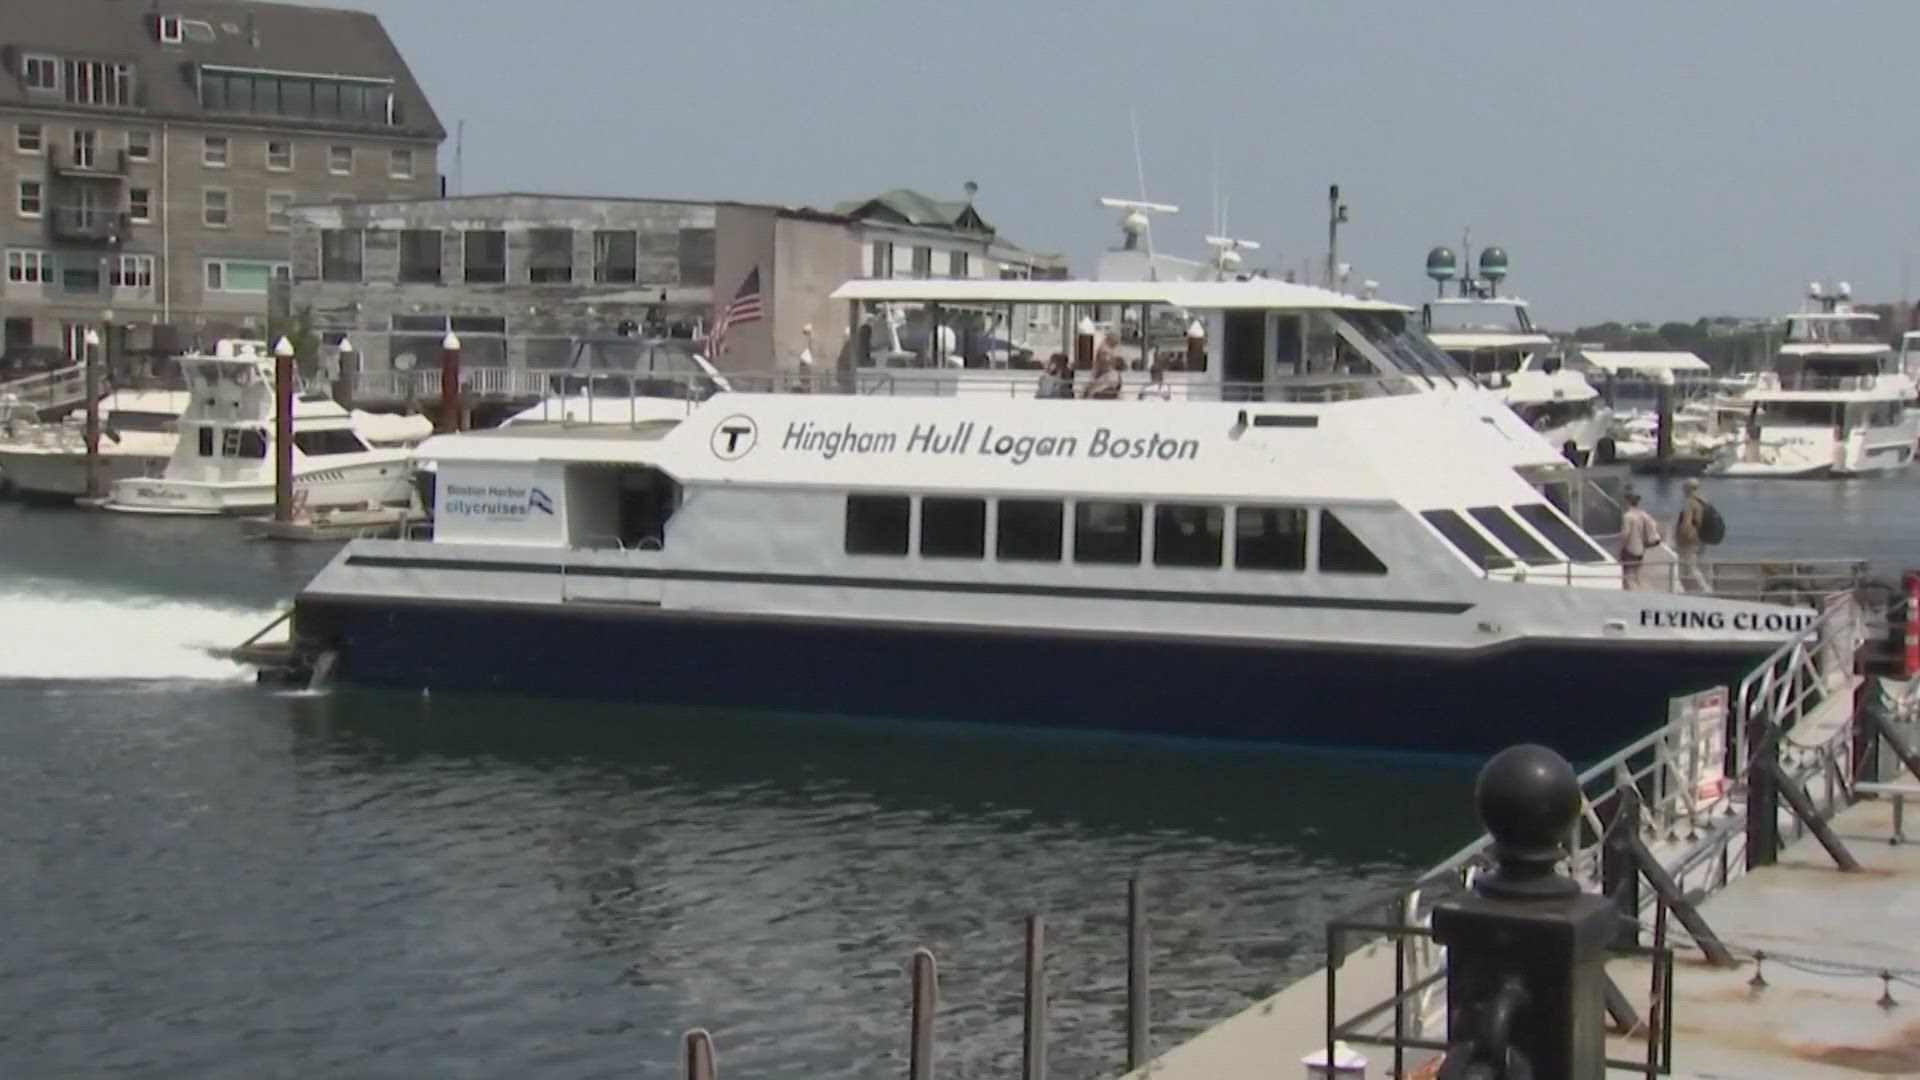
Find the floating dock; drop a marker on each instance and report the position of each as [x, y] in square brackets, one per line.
[344, 524]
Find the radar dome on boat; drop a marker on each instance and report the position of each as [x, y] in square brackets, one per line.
[1493, 263]
[1442, 265]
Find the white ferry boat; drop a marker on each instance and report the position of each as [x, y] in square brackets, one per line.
[1368, 551]
[1493, 337]
[48, 459]
[1837, 402]
[223, 459]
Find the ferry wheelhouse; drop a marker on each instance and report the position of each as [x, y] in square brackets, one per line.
[1494, 338]
[1360, 547]
[1837, 402]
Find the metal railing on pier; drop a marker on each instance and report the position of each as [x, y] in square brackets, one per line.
[1681, 811]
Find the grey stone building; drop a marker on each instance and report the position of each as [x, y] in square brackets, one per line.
[518, 276]
[150, 152]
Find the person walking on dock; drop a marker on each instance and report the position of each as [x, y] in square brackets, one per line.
[1689, 537]
[1639, 534]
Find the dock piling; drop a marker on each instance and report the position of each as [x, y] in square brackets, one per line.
[697, 1060]
[283, 380]
[1137, 1001]
[925, 989]
[1033, 1055]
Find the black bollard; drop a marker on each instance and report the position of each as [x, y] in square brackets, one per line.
[1526, 976]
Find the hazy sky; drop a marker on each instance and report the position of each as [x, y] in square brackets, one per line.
[1637, 158]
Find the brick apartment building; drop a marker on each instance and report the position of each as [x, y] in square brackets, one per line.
[149, 153]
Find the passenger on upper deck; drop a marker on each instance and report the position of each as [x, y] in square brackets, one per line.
[1105, 384]
[1056, 380]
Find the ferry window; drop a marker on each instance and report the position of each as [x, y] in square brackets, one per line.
[329, 441]
[1560, 533]
[252, 443]
[1029, 529]
[1106, 532]
[953, 528]
[206, 441]
[1187, 535]
[1508, 532]
[877, 524]
[1341, 552]
[1270, 538]
[1464, 537]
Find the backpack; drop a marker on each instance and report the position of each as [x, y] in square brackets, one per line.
[1713, 527]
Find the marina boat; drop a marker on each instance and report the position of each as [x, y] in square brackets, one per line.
[1835, 404]
[223, 458]
[48, 459]
[1362, 548]
[1494, 339]
[1910, 366]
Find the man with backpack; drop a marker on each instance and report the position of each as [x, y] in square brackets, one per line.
[1699, 525]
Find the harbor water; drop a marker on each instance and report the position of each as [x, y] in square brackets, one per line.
[205, 879]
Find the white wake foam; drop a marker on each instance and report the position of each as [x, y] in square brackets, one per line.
[48, 631]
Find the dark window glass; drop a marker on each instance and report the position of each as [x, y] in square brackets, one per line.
[296, 97]
[420, 255]
[326, 100]
[329, 441]
[1341, 552]
[1106, 532]
[486, 255]
[615, 256]
[1029, 529]
[253, 443]
[953, 528]
[1518, 540]
[1270, 538]
[266, 95]
[877, 524]
[479, 324]
[549, 256]
[206, 441]
[1562, 533]
[1478, 549]
[213, 92]
[1187, 535]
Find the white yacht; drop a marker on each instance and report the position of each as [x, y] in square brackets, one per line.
[1359, 548]
[1493, 337]
[1836, 403]
[48, 459]
[223, 459]
[1910, 366]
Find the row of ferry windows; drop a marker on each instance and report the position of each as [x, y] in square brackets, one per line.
[1514, 539]
[1105, 533]
[252, 442]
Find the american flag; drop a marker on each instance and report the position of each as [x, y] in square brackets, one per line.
[745, 308]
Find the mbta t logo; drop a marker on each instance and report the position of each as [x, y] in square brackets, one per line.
[734, 437]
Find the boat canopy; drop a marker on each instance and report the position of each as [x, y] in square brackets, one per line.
[1646, 363]
[1254, 294]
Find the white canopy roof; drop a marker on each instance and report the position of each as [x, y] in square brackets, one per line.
[1259, 293]
[1645, 363]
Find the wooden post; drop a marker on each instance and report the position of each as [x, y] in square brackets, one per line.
[449, 383]
[1033, 1052]
[697, 1059]
[346, 377]
[90, 345]
[1136, 974]
[925, 1000]
[283, 430]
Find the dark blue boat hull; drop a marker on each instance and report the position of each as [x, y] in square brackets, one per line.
[1584, 699]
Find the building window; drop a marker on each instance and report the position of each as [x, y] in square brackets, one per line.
[133, 272]
[1029, 530]
[340, 160]
[1270, 538]
[170, 29]
[400, 165]
[41, 72]
[140, 204]
[957, 264]
[86, 148]
[28, 267]
[1341, 552]
[341, 252]
[261, 93]
[882, 259]
[213, 152]
[32, 198]
[278, 203]
[878, 524]
[216, 208]
[953, 528]
[1106, 532]
[420, 256]
[81, 275]
[616, 256]
[696, 256]
[922, 262]
[279, 155]
[486, 256]
[548, 352]
[244, 276]
[29, 138]
[550, 256]
[139, 146]
[1185, 535]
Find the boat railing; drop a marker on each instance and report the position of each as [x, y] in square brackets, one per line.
[47, 389]
[1788, 581]
[1807, 380]
[1674, 815]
